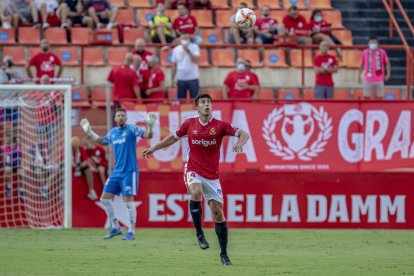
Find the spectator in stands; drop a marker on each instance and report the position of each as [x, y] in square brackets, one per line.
[141, 50]
[185, 67]
[97, 158]
[160, 26]
[73, 12]
[80, 165]
[240, 36]
[322, 31]
[169, 4]
[45, 62]
[325, 65]
[295, 24]
[50, 13]
[375, 69]
[6, 14]
[199, 4]
[156, 82]
[248, 65]
[240, 83]
[186, 23]
[266, 27]
[102, 13]
[8, 73]
[24, 12]
[142, 74]
[125, 81]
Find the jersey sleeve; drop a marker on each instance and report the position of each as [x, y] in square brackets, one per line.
[107, 138]
[137, 131]
[33, 60]
[183, 130]
[229, 130]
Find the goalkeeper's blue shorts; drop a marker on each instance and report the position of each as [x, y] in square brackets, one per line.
[122, 182]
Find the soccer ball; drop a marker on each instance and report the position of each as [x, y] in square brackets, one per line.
[245, 18]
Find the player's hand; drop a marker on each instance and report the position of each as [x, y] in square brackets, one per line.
[147, 152]
[86, 126]
[150, 119]
[238, 148]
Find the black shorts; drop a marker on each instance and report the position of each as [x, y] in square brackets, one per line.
[103, 20]
[156, 39]
[76, 19]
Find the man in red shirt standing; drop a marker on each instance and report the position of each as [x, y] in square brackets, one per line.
[156, 82]
[205, 134]
[45, 62]
[240, 83]
[142, 74]
[186, 23]
[325, 65]
[295, 24]
[125, 80]
[141, 50]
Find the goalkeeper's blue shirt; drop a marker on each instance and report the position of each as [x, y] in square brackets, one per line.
[124, 143]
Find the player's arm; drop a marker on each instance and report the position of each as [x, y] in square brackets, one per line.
[86, 126]
[243, 138]
[334, 69]
[166, 142]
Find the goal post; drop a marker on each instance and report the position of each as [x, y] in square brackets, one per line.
[35, 156]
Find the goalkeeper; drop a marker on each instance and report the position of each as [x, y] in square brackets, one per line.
[124, 177]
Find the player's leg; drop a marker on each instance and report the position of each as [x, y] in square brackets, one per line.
[129, 186]
[195, 189]
[110, 189]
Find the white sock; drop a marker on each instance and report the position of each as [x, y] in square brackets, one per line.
[132, 214]
[110, 212]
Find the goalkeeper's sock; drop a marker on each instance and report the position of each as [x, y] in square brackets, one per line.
[222, 235]
[110, 212]
[132, 215]
[196, 213]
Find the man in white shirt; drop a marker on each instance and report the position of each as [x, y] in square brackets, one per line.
[185, 67]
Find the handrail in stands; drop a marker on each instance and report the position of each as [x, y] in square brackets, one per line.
[409, 52]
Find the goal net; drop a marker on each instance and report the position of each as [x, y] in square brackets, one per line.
[35, 156]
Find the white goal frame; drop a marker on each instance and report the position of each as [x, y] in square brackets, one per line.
[67, 223]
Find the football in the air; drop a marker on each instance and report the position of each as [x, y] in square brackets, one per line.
[245, 18]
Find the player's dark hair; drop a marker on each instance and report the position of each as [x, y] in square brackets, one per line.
[120, 109]
[373, 38]
[201, 96]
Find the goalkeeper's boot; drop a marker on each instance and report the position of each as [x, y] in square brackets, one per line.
[129, 236]
[113, 233]
[202, 242]
[225, 259]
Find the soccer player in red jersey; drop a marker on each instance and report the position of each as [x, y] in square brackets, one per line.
[205, 134]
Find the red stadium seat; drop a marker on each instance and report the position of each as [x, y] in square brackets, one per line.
[345, 36]
[334, 17]
[116, 55]
[219, 4]
[33, 51]
[119, 3]
[289, 94]
[93, 56]
[165, 57]
[81, 36]
[108, 36]
[300, 4]
[212, 36]
[352, 58]
[172, 14]
[308, 94]
[358, 94]
[223, 57]
[172, 93]
[266, 94]
[142, 4]
[131, 34]
[223, 18]
[321, 4]
[296, 58]
[203, 60]
[56, 35]
[341, 94]
[274, 5]
[204, 18]
[250, 54]
[80, 97]
[274, 58]
[68, 56]
[17, 53]
[7, 36]
[146, 15]
[215, 93]
[126, 17]
[98, 97]
[392, 95]
[28, 35]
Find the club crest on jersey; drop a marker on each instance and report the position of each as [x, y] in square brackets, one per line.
[212, 131]
[296, 128]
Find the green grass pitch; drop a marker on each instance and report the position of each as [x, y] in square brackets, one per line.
[175, 252]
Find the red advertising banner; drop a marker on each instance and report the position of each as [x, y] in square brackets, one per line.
[268, 200]
[316, 137]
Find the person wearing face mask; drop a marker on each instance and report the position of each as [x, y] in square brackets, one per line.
[240, 83]
[8, 73]
[375, 69]
[185, 67]
[45, 63]
[266, 27]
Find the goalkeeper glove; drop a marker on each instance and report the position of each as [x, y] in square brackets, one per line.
[86, 126]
